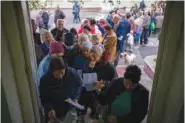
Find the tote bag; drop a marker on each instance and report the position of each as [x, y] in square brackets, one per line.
[122, 105]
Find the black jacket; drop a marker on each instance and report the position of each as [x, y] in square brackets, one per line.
[105, 71]
[54, 31]
[139, 101]
[53, 91]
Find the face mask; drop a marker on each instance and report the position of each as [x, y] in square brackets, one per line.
[91, 66]
[69, 47]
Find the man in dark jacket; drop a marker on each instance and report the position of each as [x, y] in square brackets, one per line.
[60, 27]
[71, 49]
[139, 96]
[142, 5]
[45, 18]
[58, 15]
[60, 83]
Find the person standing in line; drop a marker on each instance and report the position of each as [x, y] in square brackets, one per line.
[76, 11]
[110, 43]
[58, 84]
[139, 29]
[45, 18]
[55, 49]
[83, 23]
[36, 36]
[142, 5]
[60, 27]
[146, 23]
[129, 94]
[159, 23]
[58, 15]
[37, 41]
[121, 28]
[39, 21]
[48, 38]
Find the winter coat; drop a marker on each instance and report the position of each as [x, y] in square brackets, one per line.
[139, 101]
[76, 9]
[139, 25]
[142, 5]
[39, 53]
[80, 30]
[69, 55]
[80, 62]
[105, 71]
[58, 15]
[36, 37]
[54, 92]
[101, 30]
[110, 44]
[39, 21]
[45, 48]
[43, 66]
[54, 31]
[122, 30]
[45, 17]
[146, 21]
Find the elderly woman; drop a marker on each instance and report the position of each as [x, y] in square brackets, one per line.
[82, 37]
[58, 84]
[81, 60]
[105, 73]
[48, 38]
[110, 43]
[56, 49]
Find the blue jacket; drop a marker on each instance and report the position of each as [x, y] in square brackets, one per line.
[54, 92]
[44, 48]
[80, 62]
[76, 8]
[43, 66]
[122, 30]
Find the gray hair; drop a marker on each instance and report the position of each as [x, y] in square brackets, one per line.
[60, 21]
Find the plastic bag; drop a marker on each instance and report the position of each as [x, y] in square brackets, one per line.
[152, 26]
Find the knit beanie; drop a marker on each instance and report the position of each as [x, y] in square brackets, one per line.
[87, 44]
[56, 47]
[69, 39]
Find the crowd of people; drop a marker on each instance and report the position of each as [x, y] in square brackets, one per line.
[81, 65]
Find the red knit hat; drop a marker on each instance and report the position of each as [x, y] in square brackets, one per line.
[56, 47]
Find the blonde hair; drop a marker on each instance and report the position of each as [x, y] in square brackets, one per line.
[83, 37]
[46, 33]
